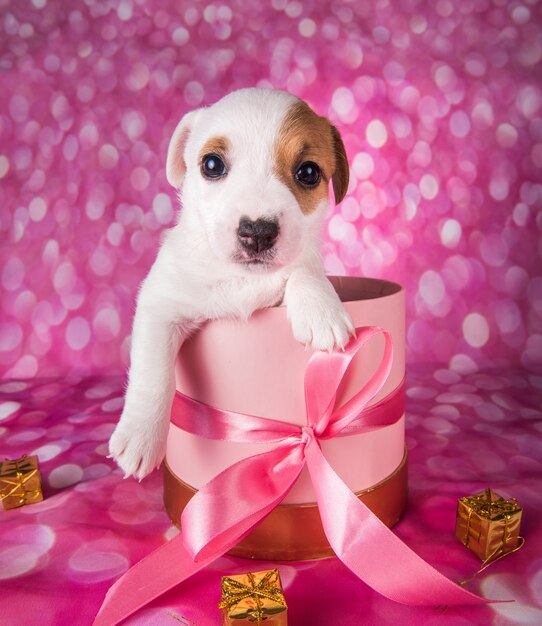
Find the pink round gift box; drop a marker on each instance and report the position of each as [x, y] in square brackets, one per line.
[257, 367]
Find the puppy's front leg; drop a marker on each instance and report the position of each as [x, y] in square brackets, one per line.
[317, 315]
[138, 443]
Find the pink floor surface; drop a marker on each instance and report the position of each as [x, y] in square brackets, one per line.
[58, 557]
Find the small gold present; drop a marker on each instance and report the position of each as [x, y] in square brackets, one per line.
[253, 598]
[20, 482]
[488, 525]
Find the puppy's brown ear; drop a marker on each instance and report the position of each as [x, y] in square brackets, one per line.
[176, 165]
[341, 175]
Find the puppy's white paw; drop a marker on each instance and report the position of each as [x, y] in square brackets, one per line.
[322, 324]
[138, 446]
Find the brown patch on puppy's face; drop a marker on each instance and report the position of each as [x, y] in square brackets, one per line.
[216, 145]
[305, 137]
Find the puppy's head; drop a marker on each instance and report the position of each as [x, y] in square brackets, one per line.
[254, 171]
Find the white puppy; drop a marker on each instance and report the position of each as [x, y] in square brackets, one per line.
[253, 170]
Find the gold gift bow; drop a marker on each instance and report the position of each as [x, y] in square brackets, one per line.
[20, 465]
[234, 592]
[19, 483]
[483, 505]
[493, 510]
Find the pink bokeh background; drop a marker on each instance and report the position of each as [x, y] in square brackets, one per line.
[439, 104]
[440, 107]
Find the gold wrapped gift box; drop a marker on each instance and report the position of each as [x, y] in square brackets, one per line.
[20, 482]
[253, 598]
[488, 525]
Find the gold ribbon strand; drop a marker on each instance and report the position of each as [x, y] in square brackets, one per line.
[488, 561]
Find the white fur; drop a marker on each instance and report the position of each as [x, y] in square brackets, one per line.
[198, 274]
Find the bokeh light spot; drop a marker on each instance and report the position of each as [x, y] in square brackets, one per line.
[77, 333]
[307, 27]
[376, 133]
[4, 165]
[431, 287]
[450, 233]
[37, 209]
[475, 330]
[429, 186]
[460, 124]
[363, 165]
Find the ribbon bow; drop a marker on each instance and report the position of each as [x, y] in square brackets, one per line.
[234, 501]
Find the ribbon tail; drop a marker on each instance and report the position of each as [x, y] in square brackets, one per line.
[371, 550]
[158, 572]
[227, 508]
[210, 530]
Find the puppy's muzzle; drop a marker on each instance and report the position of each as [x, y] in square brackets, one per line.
[257, 237]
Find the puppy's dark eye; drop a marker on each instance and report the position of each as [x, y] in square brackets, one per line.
[308, 174]
[212, 166]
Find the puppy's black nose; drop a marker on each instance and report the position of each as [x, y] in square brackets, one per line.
[258, 236]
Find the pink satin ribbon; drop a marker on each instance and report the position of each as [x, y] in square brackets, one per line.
[225, 510]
